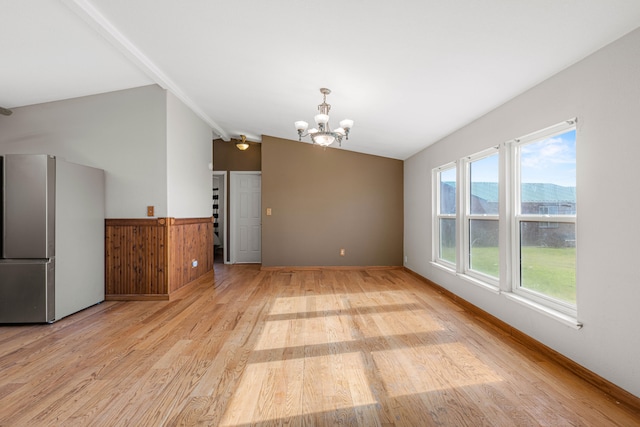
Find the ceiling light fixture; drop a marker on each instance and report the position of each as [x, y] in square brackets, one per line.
[242, 145]
[324, 136]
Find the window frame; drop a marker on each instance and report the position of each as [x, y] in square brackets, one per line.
[438, 216]
[467, 216]
[517, 218]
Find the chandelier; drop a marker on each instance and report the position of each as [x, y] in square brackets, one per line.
[324, 136]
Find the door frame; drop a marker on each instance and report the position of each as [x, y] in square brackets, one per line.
[233, 212]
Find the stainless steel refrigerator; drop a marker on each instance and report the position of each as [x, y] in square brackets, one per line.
[51, 238]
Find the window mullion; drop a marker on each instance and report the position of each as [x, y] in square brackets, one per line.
[506, 210]
[547, 218]
[484, 216]
[463, 212]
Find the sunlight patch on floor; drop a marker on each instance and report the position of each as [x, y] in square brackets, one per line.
[429, 368]
[301, 332]
[407, 322]
[291, 388]
[381, 298]
[337, 302]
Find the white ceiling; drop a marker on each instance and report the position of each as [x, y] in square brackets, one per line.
[408, 73]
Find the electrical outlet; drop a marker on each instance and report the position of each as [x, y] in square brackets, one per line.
[342, 252]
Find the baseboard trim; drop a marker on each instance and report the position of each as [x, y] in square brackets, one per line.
[619, 394]
[137, 297]
[331, 268]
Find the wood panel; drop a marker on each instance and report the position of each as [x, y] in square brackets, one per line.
[191, 240]
[297, 348]
[149, 259]
[136, 261]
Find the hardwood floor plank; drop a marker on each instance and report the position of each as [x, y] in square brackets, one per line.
[245, 347]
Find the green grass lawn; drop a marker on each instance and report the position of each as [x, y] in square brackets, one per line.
[486, 260]
[449, 253]
[550, 271]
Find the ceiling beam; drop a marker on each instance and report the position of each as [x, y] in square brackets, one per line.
[92, 16]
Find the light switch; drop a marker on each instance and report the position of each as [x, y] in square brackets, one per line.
[268, 211]
[149, 210]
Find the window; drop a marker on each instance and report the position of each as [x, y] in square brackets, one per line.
[482, 254]
[506, 219]
[544, 224]
[445, 224]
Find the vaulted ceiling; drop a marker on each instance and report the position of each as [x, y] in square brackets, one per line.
[408, 73]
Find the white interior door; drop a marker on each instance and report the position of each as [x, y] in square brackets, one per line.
[246, 219]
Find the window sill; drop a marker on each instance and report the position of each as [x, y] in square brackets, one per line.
[444, 267]
[480, 283]
[566, 319]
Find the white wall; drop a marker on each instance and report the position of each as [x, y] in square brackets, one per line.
[189, 153]
[603, 91]
[122, 132]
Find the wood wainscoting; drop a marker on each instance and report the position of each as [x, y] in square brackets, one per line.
[149, 259]
[191, 239]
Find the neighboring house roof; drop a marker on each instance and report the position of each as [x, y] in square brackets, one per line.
[487, 191]
[548, 193]
[531, 192]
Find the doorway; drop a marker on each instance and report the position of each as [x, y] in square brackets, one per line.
[246, 217]
[220, 223]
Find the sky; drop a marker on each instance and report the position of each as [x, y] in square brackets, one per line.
[551, 160]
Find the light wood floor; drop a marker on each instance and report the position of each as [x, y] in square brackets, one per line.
[312, 348]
